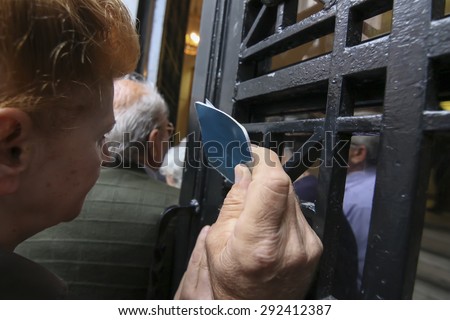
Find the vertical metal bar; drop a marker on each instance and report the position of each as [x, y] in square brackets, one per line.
[355, 27]
[279, 23]
[398, 210]
[227, 41]
[286, 15]
[274, 142]
[438, 9]
[194, 176]
[331, 175]
[216, 59]
[145, 21]
[232, 38]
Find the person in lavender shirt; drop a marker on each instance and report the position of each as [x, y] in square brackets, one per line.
[359, 188]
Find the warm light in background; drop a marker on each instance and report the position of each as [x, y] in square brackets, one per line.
[192, 40]
[195, 38]
[445, 105]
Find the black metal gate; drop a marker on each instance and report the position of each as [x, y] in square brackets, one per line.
[399, 75]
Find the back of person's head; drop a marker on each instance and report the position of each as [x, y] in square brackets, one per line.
[371, 143]
[53, 50]
[138, 109]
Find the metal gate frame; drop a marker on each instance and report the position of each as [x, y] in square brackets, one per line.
[231, 72]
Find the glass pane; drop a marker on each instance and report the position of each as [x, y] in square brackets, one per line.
[377, 26]
[304, 52]
[307, 8]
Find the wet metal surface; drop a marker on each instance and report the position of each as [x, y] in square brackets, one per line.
[395, 72]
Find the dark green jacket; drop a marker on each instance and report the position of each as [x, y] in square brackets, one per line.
[105, 253]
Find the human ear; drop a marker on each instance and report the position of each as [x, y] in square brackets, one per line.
[358, 154]
[15, 130]
[154, 147]
[153, 136]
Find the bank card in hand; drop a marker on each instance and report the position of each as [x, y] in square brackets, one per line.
[225, 141]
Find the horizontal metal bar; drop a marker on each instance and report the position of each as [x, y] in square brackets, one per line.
[436, 120]
[356, 3]
[297, 126]
[363, 124]
[371, 8]
[357, 124]
[366, 56]
[292, 77]
[439, 39]
[313, 27]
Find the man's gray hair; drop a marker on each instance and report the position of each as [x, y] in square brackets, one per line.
[371, 143]
[138, 109]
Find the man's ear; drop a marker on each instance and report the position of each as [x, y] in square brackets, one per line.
[358, 155]
[15, 132]
[154, 147]
[153, 136]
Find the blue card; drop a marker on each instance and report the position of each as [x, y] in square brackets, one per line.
[225, 141]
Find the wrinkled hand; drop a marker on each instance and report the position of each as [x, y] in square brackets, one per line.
[195, 283]
[261, 246]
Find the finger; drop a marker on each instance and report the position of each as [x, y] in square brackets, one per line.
[203, 288]
[231, 209]
[269, 195]
[196, 259]
[302, 234]
[196, 264]
[234, 201]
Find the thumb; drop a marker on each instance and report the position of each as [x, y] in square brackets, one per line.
[231, 210]
[195, 283]
[235, 199]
